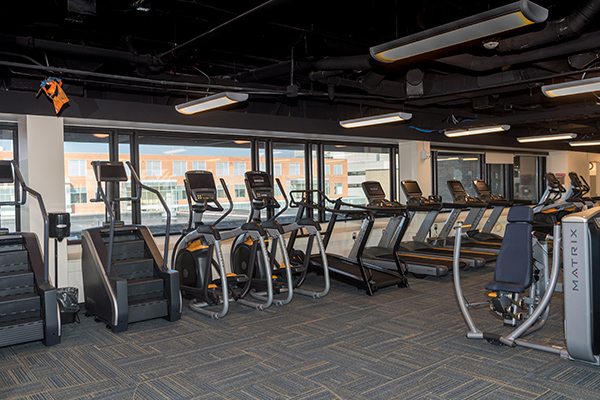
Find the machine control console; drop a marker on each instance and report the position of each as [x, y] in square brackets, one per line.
[201, 185]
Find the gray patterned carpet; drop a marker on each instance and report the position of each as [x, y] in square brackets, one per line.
[400, 344]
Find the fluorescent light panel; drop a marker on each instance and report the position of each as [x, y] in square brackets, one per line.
[546, 138]
[502, 19]
[375, 120]
[211, 102]
[585, 143]
[570, 88]
[477, 130]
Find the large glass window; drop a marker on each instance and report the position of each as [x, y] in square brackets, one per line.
[205, 154]
[288, 157]
[464, 167]
[81, 148]
[526, 178]
[352, 165]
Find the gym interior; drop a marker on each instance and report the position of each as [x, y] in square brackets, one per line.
[334, 227]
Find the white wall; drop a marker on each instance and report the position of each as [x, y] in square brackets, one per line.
[415, 163]
[563, 162]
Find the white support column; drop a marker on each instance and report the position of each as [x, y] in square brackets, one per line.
[41, 160]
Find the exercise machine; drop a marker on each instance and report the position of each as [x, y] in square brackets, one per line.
[125, 277]
[420, 244]
[523, 284]
[198, 252]
[287, 277]
[353, 271]
[28, 305]
[382, 254]
[498, 204]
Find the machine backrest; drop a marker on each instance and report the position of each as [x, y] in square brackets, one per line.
[514, 263]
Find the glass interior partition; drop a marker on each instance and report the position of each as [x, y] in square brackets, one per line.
[526, 178]
[8, 214]
[464, 167]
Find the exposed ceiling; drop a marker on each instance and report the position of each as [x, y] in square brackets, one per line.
[309, 58]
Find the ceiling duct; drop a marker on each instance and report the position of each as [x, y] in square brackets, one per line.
[555, 31]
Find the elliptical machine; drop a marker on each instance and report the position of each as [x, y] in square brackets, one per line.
[198, 253]
[287, 278]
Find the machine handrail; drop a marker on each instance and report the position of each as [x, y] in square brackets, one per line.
[111, 214]
[287, 203]
[139, 184]
[319, 206]
[226, 190]
[25, 189]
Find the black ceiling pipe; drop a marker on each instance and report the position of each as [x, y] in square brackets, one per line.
[555, 31]
[77, 49]
[475, 63]
[181, 50]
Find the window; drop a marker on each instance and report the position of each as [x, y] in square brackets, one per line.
[338, 188]
[462, 167]
[199, 165]
[262, 166]
[294, 169]
[352, 165]
[81, 148]
[9, 214]
[77, 167]
[240, 167]
[153, 168]
[277, 169]
[240, 191]
[222, 168]
[327, 169]
[179, 168]
[526, 178]
[77, 195]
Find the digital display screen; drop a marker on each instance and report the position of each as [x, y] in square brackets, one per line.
[200, 180]
[456, 186]
[6, 172]
[411, 188]
[258, 180]
[481, 186]
[552, 180]
[111, 172]
[373, 189]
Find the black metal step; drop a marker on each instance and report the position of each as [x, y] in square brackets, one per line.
[145, 289]
[14, 260]
[20, 306]
[135, 268]
[22, 331]
[128, 249]
[149, 309]
[17, 282]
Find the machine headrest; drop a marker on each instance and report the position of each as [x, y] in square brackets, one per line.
[520, 214]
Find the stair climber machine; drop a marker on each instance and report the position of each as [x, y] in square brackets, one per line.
[420, 245]
[198, 254]
[125, 278]
[476, 240]
[524, 283]
[28, 305]
[383, 254]
[578, 190]
[353, 271]
[287, 277]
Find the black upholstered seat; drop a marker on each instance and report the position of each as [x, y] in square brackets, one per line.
[514, 264]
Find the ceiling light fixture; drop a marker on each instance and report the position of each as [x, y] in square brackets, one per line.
[570, 88]
[546, 138]
[585, 143]
[243, 142]
[502, 19]
[376, 119]
[477, 130]
[210, 102]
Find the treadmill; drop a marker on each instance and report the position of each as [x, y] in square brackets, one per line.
[353, 271]
[420, 243]
[382, 255]
[498, 204]
[477, 208]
